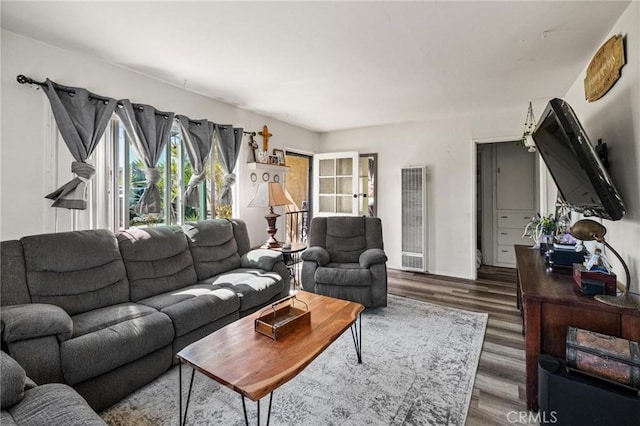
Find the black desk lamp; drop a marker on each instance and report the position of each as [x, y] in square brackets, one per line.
[590, 230]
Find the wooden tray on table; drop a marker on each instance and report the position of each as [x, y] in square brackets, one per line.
[278, 322]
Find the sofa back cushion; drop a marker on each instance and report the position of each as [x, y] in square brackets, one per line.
[13, 278]
[157, 260]
[78, 271]
[346, 237]
[213, 246]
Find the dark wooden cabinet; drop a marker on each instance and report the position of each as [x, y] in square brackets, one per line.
[549, 302]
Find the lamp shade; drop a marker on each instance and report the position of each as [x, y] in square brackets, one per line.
[270, 194]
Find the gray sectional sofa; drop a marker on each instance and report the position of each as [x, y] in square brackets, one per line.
[53, 404]
[106, 313]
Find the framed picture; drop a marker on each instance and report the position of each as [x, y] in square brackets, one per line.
[273, 159]
[280, 156]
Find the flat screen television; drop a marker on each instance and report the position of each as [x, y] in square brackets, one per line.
[582, 181]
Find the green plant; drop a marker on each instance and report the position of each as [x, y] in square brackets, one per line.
[540, 226]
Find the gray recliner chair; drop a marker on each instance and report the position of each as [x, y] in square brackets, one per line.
[346, 260]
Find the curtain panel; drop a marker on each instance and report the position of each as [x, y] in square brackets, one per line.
[229, 141]
[198, 140]
[82, 118]
[148, 131]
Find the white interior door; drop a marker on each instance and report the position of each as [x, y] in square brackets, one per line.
[335, 183]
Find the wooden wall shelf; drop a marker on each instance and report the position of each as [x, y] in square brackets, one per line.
[266, 166]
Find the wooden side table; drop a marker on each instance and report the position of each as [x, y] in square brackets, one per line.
[291, 259]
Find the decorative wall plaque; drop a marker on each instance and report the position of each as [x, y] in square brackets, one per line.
[604, 69]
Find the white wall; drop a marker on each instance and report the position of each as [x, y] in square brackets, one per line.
[447, 149]
[615, 118]
[24, 128]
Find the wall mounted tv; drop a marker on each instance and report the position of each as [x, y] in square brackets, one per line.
[582, 181]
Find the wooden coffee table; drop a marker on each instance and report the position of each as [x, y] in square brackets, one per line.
[254, 365]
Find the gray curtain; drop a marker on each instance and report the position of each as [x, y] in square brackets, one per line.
[229, 141]
[82, 118]
[149, 131]
[198, 137]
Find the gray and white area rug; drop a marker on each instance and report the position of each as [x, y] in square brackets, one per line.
[419, 365]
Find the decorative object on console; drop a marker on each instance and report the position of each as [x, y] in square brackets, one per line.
[581, 275]
[551, 230]
[529, 126]
[590, 230]
[610, 358]
[270, 194]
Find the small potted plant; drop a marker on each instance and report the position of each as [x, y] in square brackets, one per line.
[542, 229]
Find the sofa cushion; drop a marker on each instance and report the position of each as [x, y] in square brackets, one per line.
[195, 306]
[345, 238]
[113, 336]
[13, 278]
[78, 271]
[158, 260]
[213, 247]
[12, 381]
[89, 322]
[253, 286]
[54, 404]
[343, 274]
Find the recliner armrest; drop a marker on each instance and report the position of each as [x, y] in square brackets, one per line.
[24, 322]
[371, 257]
[316, 254]
[261, 259]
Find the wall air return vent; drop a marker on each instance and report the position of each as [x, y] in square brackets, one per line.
[414, 218]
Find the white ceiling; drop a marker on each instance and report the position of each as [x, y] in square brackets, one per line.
[335, 65]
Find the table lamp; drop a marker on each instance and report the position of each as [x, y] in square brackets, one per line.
[270, 194]
[590, 230]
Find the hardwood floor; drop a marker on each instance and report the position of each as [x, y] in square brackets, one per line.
[500, 380]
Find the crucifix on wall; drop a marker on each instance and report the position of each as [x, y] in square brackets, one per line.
[265, 138]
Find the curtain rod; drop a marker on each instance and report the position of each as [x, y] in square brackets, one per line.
[23, 79]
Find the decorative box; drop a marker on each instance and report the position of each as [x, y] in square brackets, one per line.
[580, 273]
[610, 358]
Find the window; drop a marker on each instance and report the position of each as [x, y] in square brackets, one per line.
[126, 174]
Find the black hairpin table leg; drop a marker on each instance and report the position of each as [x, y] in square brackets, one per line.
[356, 333]
[183, 420]
[244, 408]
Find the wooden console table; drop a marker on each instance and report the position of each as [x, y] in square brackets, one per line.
[549, 302]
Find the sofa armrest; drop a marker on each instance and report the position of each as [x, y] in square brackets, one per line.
[317, 254]
[24, 322]
[371, 257]
[13, 381]
[261, 259]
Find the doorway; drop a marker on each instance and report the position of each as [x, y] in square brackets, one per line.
[298, 185]
[507, 188]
